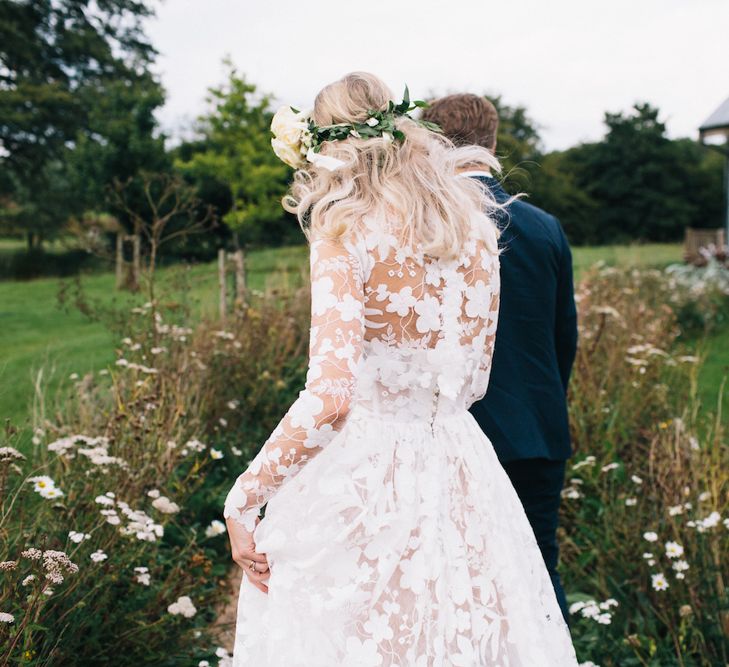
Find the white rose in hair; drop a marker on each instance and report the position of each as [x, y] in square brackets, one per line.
[289, 126]
[288, 154]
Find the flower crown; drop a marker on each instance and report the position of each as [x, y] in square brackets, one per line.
[298, 140]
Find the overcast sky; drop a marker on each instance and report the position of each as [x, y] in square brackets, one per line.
[567, 61]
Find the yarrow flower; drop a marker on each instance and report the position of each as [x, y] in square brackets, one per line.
[598, 612]
[649, 557]
[142, 576]
[77, 537]
[10, 454]
[587, 461]
[226, 659]
[631, 501]
[215, 528]
[56, 564]
[183, 606]
[194, 445]
[6, 618]
[650, 536]
[65, 446]
[215, 453]
[710, 521]
[165, 505]
[98, 556]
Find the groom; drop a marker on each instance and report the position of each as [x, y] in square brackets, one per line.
[524, 412]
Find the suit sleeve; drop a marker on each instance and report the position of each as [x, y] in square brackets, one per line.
[566, 312]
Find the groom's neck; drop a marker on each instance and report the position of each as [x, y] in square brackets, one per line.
[474, 167]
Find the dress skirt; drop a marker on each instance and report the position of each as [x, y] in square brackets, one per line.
[401, 544]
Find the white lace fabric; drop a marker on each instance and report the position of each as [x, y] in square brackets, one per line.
[392, 331]
[393, 534]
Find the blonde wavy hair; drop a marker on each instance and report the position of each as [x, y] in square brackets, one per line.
[412, 185]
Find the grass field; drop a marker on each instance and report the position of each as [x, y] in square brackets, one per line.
[36, 334]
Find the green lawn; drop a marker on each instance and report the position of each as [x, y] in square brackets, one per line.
[36, 334]
[714, 372]
[653, 254]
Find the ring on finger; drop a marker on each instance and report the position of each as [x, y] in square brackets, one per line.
[252, 566]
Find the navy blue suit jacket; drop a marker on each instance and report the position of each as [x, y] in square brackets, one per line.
[524, 412]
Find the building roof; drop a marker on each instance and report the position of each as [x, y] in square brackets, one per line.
[717, 121]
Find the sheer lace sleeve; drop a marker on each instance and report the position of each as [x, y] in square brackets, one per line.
[335, 347]
[482, 310]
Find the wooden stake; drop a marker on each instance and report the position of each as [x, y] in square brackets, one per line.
[119, 261]
[240, 277]
[222, 285]
[136, 261]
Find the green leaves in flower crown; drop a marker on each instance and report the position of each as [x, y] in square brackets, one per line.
[385, 124]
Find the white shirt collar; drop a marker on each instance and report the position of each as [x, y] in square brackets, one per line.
[487, 174]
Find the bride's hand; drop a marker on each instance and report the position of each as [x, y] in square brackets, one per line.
[243, 548]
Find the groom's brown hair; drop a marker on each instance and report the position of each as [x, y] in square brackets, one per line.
[465, 119]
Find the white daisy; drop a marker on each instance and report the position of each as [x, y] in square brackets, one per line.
[674, 549]
[659, 582]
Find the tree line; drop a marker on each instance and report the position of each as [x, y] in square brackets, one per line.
[78, 126]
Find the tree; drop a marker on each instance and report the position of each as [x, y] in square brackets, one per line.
[234, 151]
[635, 184]
[637, 175]
[61, 62]
[168, 209]
[555, 187]
[518, 145]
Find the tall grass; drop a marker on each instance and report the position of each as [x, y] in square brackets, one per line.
[111, 548]
[143, 456]
[644, 517]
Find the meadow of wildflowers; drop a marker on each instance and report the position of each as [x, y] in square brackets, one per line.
[111, 546]
[645, 516]
[112, 550]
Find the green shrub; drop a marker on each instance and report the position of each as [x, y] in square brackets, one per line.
[37, 263]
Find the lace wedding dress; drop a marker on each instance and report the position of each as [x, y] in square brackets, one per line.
[393, 535]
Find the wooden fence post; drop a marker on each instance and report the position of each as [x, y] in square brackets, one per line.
[696, 239]
[136, 260]
[240, 277]
[119, 260]
[222, 285]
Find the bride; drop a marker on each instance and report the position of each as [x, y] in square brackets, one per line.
[392, 536]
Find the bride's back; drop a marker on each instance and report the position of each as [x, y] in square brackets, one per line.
[429, 324]
[425, 245]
